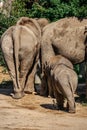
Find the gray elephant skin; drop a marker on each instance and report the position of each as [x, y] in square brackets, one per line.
[65, 37]
[62, 81]
[20, 45]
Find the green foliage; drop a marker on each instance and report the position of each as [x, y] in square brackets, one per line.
[51, 9]
[6, 22]
[18, 8]
[81, 78]
[2, 63]
[56, 9]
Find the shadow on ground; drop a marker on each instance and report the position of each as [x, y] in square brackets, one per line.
[6, 87]
[49, 106]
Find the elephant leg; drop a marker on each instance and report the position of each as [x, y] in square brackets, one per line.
[44, 87]
[71, 104]
[25, 69]
[70, 99]
[59, 99]
[8, 55]
[66, 88]
[50, 86]
[29, 87]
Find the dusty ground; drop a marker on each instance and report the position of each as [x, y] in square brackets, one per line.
[34, 112]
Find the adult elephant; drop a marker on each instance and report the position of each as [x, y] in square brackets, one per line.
[20, 45]
[66, 37]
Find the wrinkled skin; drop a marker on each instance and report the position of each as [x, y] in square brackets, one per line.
[62, 81]
[66, 37]
[20, 45]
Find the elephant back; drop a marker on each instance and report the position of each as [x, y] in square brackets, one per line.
[67, 37]
[31, 24]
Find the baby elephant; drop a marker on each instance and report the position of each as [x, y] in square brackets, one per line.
[62, 81]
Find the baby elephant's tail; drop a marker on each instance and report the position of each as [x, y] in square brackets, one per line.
[73, 82]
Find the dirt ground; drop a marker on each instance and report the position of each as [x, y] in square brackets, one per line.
[34, 112]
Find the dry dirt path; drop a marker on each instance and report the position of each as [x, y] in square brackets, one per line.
[34, 112]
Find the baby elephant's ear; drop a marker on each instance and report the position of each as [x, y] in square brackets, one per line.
[42, 22]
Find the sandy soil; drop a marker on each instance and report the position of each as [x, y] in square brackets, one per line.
[34, 112]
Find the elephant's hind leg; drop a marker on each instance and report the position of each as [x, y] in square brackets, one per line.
[68, 93]
[70, 99]
[25, 67]
[7, 50]
[71, 104]
[59, 99]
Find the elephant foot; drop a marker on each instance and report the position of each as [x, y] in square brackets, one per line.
[18, 95]
[28, 92]
[72, 111]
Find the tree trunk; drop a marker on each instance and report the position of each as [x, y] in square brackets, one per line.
[7, 7]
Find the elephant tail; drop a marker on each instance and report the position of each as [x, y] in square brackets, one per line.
[16, 39]
[73, 81]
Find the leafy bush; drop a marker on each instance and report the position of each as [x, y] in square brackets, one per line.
[56, 9]
[80, 70]
[51, 9]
